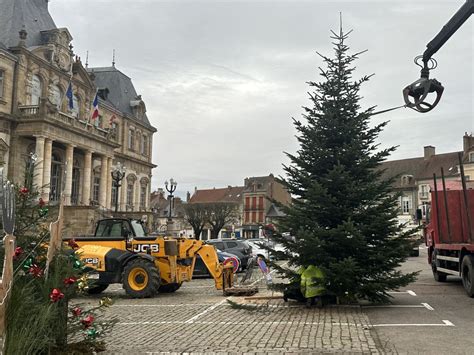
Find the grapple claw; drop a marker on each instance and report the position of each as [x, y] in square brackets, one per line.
[418, 92]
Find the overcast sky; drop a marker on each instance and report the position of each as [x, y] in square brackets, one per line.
[222, 79]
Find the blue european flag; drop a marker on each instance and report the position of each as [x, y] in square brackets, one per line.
[69, 95]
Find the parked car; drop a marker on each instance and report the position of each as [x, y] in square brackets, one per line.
[237, 247]
[200, 268]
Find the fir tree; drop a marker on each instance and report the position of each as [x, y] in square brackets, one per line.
[41, 317]
[343, 216]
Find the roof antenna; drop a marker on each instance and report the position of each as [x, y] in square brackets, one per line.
[87, 59]
[113, 58]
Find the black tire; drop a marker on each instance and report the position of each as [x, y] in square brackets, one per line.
[96, 289]
[141, 278]
[467, 273]
[438, 276]
[415, 252]
[169, 288]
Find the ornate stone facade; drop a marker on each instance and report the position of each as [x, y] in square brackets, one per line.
[75, 153]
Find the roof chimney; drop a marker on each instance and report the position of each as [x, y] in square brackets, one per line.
[468, 142]
[429, 151]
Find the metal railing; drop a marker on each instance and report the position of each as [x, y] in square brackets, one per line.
[33, 111]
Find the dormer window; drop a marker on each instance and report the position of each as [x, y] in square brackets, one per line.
[407, 180]
[138, 107]
[471, 157]
[103, 93]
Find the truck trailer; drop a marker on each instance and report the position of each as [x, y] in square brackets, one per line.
[449, 235]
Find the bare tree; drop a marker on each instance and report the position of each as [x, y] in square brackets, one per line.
[219, 214]
[196, 216]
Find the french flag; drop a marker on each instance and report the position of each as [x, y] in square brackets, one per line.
[95, 108]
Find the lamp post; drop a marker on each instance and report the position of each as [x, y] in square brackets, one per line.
[171, 187]
[118, 173]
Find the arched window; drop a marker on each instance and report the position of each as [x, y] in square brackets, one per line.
[36, 89]
[55, 96]
[143, 194]
[130, 191]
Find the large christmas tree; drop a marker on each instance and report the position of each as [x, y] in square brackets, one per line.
[343, 216]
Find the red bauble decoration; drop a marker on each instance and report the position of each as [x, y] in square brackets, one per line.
[24, 190]
[87, 322]
[35, 270]
[69, 281]
[18, 252]
[76, 311]
[56, 295]
[41, 203]
[72, 243]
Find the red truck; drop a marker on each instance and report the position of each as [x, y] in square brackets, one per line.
[449, 235]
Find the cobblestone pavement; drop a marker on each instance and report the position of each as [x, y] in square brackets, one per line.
[198, 319]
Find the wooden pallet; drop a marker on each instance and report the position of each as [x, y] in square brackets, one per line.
[241, 291]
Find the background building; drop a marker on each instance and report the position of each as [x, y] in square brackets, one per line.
[256, 205]
[74, 152]
[414, 176]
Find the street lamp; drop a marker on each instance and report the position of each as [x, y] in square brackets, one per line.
[171, 187]
[118, 173]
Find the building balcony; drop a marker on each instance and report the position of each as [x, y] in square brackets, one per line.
[424, 195]
[45, 112]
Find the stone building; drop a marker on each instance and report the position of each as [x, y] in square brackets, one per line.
[414, 176]
[75, 154]
[256, 204]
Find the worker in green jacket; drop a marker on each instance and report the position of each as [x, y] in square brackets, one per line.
[312, 285]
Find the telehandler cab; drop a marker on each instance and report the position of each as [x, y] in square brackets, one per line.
[120, 252]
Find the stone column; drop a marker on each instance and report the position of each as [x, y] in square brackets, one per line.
[86, 182]
[103, 182]
[109, 183]
[48, 151]
[39, 164]
[69, 164]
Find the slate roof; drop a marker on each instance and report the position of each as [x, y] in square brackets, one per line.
[227, 194]
[261, 183]
[275, 212]
[420, 168]
[33, 14]
[121, 90]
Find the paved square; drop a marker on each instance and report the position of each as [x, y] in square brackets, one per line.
[198, 319]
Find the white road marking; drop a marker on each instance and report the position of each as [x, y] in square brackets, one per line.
[191, 320]
[446, 323]
[410, 292]
[427, 306]
[164, 305]
[398, 306]
[245, 323]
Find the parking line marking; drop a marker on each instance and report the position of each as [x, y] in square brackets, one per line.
[246, 323]
[427, 306]
[191, 320]
[446, 323]
[399, 306]
[164, 305]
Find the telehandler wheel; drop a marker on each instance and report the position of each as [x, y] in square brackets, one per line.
[141, 278]
[96, 289]
[438, 276]
[170, 288]
[467, 269]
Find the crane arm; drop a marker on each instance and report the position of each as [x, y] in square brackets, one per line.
[449, 29]
[222, 274]
[416, 94]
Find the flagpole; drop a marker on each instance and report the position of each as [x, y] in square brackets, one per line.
[91, 111]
